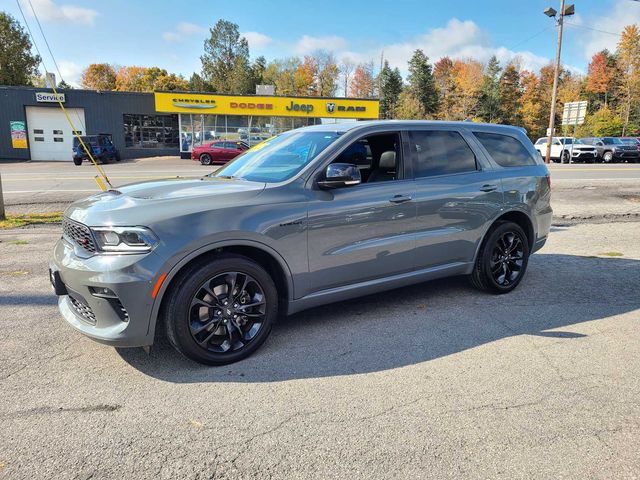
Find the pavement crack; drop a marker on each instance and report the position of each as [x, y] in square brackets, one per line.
[53, 410]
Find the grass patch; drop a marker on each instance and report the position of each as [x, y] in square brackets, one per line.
[18, 242]
[611, 254]
[17, 221]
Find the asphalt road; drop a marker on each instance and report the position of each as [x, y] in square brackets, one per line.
[432, 381]
[51, 186]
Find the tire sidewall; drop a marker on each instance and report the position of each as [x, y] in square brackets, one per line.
[487, 251]
[607, 157]
[205, 159]
[177, 311]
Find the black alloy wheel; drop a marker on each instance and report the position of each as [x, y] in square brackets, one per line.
[220, 310]
[205, 159]
[565, 157]
[502, 260]
[227, 312]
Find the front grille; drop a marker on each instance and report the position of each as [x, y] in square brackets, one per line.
[83, 310]
[78, 234]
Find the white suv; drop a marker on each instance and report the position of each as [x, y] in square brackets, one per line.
[565, 148]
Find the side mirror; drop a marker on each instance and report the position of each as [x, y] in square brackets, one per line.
[340, 175]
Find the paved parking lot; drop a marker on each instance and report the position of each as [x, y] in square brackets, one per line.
[432, 381]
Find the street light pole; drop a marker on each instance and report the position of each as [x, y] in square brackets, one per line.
[554, 93]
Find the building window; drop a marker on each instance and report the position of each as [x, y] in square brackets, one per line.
[38, 131]
[58, 139]
[58, 132]
[39, 139]
[150, 131]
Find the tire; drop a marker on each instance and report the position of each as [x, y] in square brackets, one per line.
[565, 157]
[117, 156]
[482, 277]
[77, 161]
[607, 157]
[205, 159]
[202, 327]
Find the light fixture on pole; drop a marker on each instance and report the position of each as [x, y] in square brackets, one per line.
[551, 12]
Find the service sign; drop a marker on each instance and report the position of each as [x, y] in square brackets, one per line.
[46, 97]
[267, 106]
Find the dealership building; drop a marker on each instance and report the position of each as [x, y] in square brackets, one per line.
[34, 127]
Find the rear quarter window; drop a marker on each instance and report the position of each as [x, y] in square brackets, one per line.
[505, 150]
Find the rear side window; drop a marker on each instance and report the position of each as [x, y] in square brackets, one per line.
[505, 150]
[440, 153]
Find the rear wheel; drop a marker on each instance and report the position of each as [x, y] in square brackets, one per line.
[221, 311]
[565, 157]
[205, 159]
[502, 260]
[77, 161]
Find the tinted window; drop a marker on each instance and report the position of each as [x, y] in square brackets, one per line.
[440, 153]
[506, 151]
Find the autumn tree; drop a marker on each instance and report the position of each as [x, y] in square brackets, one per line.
[468, 79]
[421, 84]
[362, 84]
[99, 76]
[533, 117]
[510, 94]
[390, 86]
[600, 74]
[305, 77]
[409, 107]
[628, 58]
[282, 74]
[226, 54]
[447, 89]
[489, 103]
[604, 123]
[17, 64]
[346, 69]
[326, 73]
[131, 79]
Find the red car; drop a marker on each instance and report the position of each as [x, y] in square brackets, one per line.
[220, 151]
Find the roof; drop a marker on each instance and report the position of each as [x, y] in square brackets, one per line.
[349, 126]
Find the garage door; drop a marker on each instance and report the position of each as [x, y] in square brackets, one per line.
[50, 135]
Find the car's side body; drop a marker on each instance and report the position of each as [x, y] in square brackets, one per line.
[319, 245]
[220, 151]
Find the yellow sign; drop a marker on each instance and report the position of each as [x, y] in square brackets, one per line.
[267, 106]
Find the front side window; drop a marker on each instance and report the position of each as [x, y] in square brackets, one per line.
[567, 141]
[279, 158]
[378, 157]
[505, 150]
[440, 153]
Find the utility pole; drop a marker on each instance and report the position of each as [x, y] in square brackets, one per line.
[550, 12]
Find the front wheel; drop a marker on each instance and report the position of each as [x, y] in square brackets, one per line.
[502, 259]
[205, 159]
[607, 157]
[565, 157]
[77, 161]
[221, 311]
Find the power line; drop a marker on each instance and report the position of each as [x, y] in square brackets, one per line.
[531, 37]
[594, 29]
[45, 40]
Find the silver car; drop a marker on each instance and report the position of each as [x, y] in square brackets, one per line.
[315, 215]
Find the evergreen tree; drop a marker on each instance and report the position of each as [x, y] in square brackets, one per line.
[489, 108]
[225, 54]
[421, 84]
[510, 96]
[390, 85]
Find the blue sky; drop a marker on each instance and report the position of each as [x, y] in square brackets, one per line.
[170, 34]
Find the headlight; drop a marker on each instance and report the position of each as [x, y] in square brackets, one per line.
[124, 239]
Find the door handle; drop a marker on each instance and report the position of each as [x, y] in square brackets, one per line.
[488, 188]
[400, 199]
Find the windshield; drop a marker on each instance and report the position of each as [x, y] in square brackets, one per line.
[628, 141]
[567, 141]
[279, 158]
[580, 142]
[612, 141]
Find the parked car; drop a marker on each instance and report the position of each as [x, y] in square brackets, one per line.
[100, 146]
[217, 152]
[291, 225]
[612, 149]
[631, 141]
[565, 148]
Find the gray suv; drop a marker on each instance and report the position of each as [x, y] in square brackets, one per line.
[294, 223]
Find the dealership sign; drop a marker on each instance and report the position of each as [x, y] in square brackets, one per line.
[266, 105]
[45, 97]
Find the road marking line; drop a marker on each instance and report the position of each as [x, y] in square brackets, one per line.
[50, 191]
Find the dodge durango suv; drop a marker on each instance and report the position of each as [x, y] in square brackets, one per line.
[295, 223]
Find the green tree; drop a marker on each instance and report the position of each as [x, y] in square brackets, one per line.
[17, 64]
[421, 84]
[628, 59]
[390, 87]
[65, 85]
[603, 123]
[409, 107]
[510, 96]
[197, 84]
[225, 52]
[489, 107]
[447, 88]
[257, 70]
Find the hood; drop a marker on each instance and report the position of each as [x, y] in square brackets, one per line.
[145, 202]
[583, 147]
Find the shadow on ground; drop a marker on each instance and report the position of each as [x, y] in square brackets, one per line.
[420, 323]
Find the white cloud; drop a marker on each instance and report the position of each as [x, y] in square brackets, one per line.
[257, 40]
[308, 44]
[622, 14]
[48, 11]
[71, 72]
[182, 30]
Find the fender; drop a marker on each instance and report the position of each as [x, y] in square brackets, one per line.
[153, 318]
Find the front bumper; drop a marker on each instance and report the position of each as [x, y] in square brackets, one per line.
[123, 321]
